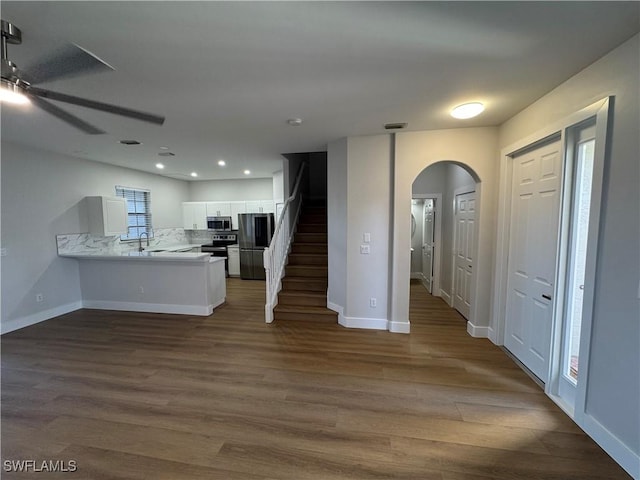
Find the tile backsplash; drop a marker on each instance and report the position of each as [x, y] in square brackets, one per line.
[84, 242]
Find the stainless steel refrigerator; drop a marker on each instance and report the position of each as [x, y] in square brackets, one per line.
[254, 234]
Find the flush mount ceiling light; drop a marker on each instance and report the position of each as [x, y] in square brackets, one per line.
[295, 122]
[194, 174]
[467, 110]
[12, 93]
[247, 172]
[159, 165]
[222, 163]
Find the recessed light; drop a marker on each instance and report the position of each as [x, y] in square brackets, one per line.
[164, 148]
[159, 165]
[222, 163]
[295, 122]
[194, 174]
[467, 110]
[130, 142]
[247, 172]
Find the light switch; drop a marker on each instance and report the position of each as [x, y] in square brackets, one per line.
[366, 238]
[365, 249]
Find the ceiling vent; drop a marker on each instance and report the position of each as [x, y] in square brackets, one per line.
[396, 126]
[130, 142]
[166, 154]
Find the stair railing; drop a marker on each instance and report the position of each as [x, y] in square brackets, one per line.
[275, 256]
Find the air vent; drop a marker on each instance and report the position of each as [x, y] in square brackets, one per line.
[166, 154]
[130, 142]
[395, 126]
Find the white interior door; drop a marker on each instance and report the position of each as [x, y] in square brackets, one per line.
[428, 242]
[465, 245]
[535, 212]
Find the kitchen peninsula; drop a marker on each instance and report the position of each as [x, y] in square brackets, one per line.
[159, 282]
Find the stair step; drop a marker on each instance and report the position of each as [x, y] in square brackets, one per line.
[303, 313]
[302, 237]
[315, 271]
[313, 218]
[312, 228]
[307, 259]
[304, 284]
[297, 297]
[319, 248]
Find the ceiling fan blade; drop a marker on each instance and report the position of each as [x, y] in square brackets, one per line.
[69, 61]
[65, 116]
[105, 107]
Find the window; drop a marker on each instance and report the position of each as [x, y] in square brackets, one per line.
[138, 212]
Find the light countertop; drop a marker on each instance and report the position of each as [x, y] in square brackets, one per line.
[147, 256]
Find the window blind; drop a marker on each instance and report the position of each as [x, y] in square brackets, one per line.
[138, 211]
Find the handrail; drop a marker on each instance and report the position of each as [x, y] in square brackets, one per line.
[275, 256]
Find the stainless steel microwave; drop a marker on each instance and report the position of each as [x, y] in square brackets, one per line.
[219, 224]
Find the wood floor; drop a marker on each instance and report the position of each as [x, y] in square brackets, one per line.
[143, 396]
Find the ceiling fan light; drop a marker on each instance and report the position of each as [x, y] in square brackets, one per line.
[467, 110]
[12, 93]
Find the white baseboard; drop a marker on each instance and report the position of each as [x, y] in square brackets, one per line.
[416, 275]
[199, 310]
[339, 310]
[621, 453]
[446, 297]
[18, 323]
[366, 323]
[400, 327]
[478, 332]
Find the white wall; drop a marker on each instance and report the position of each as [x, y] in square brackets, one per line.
[414, 151]
[613, 388]
[278, 187]
[41, 192]
[368, 201]
[232, 190]
[337, 224]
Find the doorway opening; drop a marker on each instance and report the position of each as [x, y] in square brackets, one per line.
[443, 233]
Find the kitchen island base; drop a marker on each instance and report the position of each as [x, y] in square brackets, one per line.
[171, 285]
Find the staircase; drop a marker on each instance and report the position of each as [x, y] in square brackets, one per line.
[304, 286]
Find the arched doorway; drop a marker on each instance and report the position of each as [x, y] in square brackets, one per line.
[443, 241]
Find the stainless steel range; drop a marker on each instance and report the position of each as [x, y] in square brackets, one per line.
[218, 247]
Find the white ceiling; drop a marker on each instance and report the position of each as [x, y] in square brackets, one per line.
[227, 75]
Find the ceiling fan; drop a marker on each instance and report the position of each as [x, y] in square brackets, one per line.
[17, 86]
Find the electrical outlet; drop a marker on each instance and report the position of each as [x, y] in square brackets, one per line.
[141, 289]
[39, 297]
[373, 303]
[365, 249]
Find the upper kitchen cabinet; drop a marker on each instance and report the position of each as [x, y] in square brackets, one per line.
[260, 206]
[237, 208]
[107, 216]
[218, 209]
[194, 215]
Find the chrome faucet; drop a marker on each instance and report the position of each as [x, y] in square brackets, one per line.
[140, 249]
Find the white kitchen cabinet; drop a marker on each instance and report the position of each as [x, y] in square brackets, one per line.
[107, 215]
[260, 206]
[194, 215]
[233, 258]
[218, 209]
[237, 208]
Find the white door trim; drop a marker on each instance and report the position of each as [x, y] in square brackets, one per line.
[435, 289]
